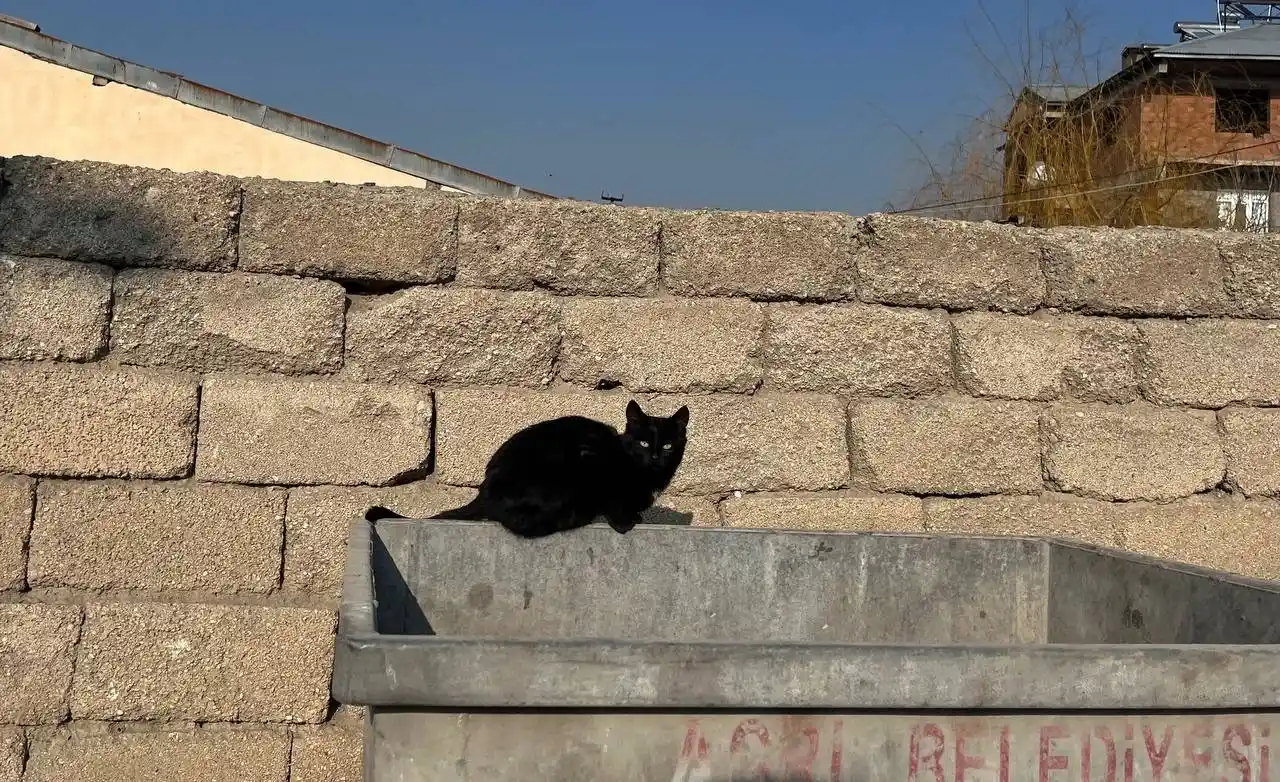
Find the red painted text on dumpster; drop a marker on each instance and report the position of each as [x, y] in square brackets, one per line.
[815, 749]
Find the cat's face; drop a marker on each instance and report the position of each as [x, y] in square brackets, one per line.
[655, 442]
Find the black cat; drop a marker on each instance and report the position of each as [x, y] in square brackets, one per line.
[564, 473]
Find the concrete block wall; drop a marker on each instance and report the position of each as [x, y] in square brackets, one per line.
[203, 379]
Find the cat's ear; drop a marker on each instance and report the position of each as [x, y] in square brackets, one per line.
[635, 416]
[681, 416]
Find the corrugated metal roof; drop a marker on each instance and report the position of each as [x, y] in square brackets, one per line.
[1255, 42]
[27, 38]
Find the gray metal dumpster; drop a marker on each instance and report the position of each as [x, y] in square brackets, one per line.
[713, 654]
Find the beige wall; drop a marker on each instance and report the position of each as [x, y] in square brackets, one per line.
[53, 111]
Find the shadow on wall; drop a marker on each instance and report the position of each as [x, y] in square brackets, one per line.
[118, 215]
[659, 514]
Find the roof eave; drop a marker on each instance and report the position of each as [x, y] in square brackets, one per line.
[1230, 58]
[179, 88]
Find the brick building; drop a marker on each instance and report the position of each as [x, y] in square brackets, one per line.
[1184, 134]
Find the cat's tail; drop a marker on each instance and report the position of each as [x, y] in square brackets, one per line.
[377, 512]
[472, 511]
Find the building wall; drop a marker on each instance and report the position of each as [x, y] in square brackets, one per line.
[200, 386]
[46, 109]
[1179, 123]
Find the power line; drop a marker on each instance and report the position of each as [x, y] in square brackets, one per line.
[1041, 188]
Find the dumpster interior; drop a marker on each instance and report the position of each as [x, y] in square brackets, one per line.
[476, 580]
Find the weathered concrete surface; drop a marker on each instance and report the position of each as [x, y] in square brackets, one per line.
[89, 422]
[925, 262]
[1035, 358]
[946, 446]
[199, 537]
[764, 255]
[176, 755]
[568, 247]
[1132, 452]
[1252, 440]
[53, 310]
[203, 663]
[858, 350]
[1212, 363]
[205, 321]
[348, 232]
[821, 748]
[37, 650]
[289, 431]
[16, 503]
[1222, 532]
[842, 512]
[479, 580]
[669, 344]
[83, 211]
[1141, 271]
[455, 335]
[13, 753]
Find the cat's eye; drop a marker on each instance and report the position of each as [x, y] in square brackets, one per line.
[666, 446]
[643, 444]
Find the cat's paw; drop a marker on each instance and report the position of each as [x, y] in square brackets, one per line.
[623, 527]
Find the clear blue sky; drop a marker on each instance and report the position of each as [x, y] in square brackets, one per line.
[690, 103]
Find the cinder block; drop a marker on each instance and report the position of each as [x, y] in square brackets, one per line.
[842, 512]
[670, 344]
[682, 509]
[766, 442]
[1253, 273]
[159, 537]
[1034, 358]
[471, 424]
[53, 310]
[328, 754]
[1253, 450]
[295, 432]
[946, 446]
[455, 335]
[764, 255]
[178, 754]
[1212, 363]
[319, 518]
[1132, 452]
[13, 754]
[83, 211]
[16, 503]
[203, 663]
[926, 262]
[37, 649]
[568, 247]
[88, 422]
[1140, 271]
[858, 350]
[203, 321]
[1049, 515]
[348, 232]
[1221, 532]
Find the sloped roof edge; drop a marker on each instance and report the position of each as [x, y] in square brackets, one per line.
[31, 41]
